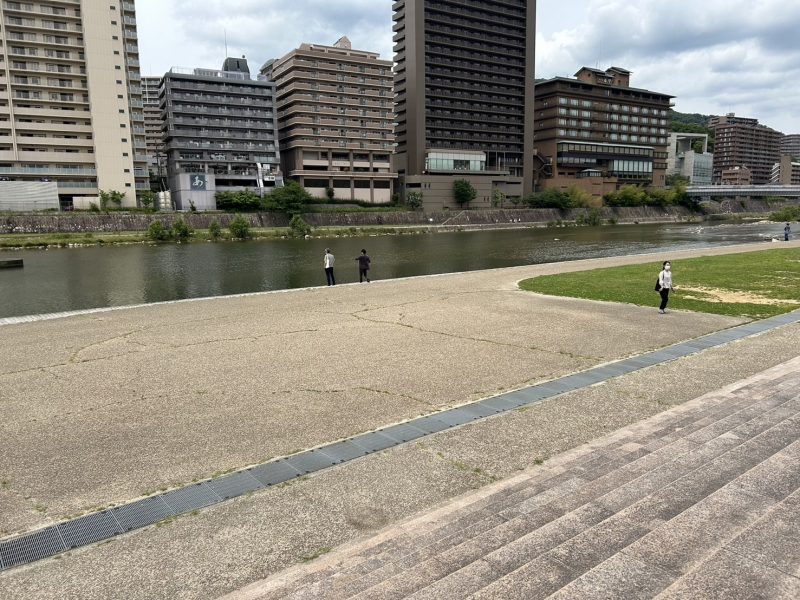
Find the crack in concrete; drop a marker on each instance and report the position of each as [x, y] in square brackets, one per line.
[399, 395]
[477, 339]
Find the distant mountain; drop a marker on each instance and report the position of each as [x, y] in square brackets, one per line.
[693, 123]
[690, 119]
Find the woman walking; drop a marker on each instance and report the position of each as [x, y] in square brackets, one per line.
[664, 285]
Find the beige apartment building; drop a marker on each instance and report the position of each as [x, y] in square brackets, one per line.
[71, 98]
[153, 126]
[335, 120]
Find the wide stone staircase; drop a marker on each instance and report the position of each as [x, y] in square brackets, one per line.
[702, 501]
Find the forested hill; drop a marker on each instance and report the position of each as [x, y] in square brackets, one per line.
[693, 123]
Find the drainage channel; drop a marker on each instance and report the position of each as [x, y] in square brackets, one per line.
[99, 526]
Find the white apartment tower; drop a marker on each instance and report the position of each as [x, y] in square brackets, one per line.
[71, 97]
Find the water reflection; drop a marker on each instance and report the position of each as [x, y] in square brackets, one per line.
[69, 279]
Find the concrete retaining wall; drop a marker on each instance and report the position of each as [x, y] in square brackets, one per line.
[69, 223]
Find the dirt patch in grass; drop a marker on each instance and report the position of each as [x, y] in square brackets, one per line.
[730, 296]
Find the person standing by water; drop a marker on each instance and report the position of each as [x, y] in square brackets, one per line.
[786, 232]
[329, 260]
[664, 285]
[363, 266]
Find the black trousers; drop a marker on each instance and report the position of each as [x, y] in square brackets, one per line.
[362, 275]
[329, 275]
[664, 298]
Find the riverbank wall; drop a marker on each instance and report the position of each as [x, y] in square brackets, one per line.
[497, 218]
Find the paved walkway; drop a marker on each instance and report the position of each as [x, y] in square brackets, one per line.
[133, 400]
[700, 501]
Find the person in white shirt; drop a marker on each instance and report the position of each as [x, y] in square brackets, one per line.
[664, 285]
[329, 260]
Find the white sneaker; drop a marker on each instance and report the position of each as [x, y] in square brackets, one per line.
[662, 312]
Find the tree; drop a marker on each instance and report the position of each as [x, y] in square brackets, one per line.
[414, 200]
[158, 232]
[241, 201]
[289, 199]
[110, 197]
[330, 193]
[549, 198]
[180, 230]
[148, 199]
[214, 230]
[498, 198]
[240, 227]
[463, 191]
[298, 227]
[677, 179]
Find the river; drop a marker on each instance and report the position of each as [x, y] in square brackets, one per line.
[77, 278]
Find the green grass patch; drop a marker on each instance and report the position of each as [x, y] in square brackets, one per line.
[755, 285]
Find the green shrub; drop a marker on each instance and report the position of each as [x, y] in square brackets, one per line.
[330, 193]
[414, 200]
[93, 207]
[243, 201]
[786, 214]
[158, 232]
[549, 198]
[289, 199]
[298, 227]
[463, 191]
[240, 228]
[214, 230]
[180, 230]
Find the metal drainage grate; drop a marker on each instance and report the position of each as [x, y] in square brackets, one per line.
[103, 525]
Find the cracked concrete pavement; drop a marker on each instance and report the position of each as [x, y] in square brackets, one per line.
[101, 409]
[207, 388]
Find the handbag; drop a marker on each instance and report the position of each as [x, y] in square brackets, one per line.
[658, 284]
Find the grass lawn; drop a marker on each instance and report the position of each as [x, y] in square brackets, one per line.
[752, 284]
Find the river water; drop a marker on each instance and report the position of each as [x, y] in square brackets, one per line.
[76, 278]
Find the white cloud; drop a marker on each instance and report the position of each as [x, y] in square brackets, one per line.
[715, 56]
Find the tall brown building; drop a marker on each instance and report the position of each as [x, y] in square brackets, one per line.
[598, 133]
[743, 142]
[335, 120]
[464, 84]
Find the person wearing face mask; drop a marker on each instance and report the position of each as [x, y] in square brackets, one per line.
[664, 285]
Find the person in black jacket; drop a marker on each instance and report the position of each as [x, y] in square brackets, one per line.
[363, 266]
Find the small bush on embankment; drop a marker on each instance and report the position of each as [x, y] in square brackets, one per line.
[786, 214]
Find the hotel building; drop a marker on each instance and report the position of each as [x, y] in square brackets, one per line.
[598, 133]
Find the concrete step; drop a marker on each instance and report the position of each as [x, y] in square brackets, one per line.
[519, 504]
[659, 525]
[540, 531]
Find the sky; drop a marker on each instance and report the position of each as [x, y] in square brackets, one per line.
[715, 56]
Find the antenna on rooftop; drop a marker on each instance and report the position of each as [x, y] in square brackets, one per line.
[225, 33]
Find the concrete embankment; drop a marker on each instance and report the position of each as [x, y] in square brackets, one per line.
[117, 222]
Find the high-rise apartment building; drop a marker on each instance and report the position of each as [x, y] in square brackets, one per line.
[790, 145]
[464, 85]
[742, 142]
[153, 127]
[598, 133]
[220, 133]
[71, 98]
[335, 120]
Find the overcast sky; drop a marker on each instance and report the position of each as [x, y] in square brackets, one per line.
[715, 56]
